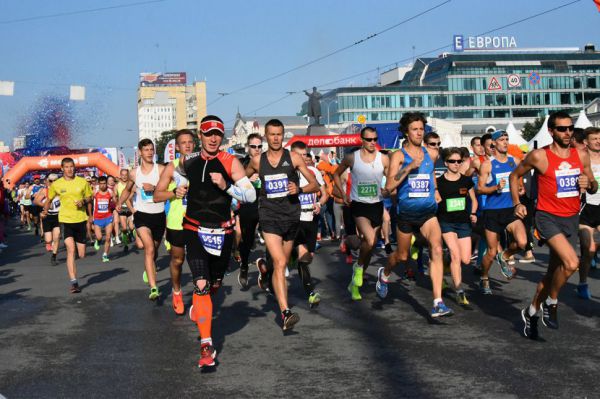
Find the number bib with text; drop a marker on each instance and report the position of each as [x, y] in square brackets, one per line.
[276, 186]
[103, 206]
[367, 190]
[147, 196]
[419, 185]
[212, 240]
[567, 183]
[455, 204]
[307, 201]
[503, 176]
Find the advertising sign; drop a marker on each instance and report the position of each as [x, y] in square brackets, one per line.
[170, 151]
[461, 43]
[163, 79]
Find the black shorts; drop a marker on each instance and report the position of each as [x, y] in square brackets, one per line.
[409, 224]
[35, 210]
[349, 225]
[590, 215]
[307, 235]
[286, 229]
[156, 222]
[176, 238]
[497, 220]
[462, 230]
[125, 212]
[49, 223]
[27, 208]
[77, 231]
[205, 266]
[373, 212]
[549, 225]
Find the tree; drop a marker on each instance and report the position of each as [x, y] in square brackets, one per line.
[530, 129]
[162, 141]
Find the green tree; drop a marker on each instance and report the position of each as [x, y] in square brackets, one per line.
[530, 129]
[162, 141]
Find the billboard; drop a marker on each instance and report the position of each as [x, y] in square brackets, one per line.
[461, 43]
[163, 79]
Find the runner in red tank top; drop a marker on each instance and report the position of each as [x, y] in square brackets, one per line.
[104, 205]
[563, 173]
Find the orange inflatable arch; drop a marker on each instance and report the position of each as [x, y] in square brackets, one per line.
[51, 162]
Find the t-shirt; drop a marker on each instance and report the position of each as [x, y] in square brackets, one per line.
[455, 206]
[71, 191]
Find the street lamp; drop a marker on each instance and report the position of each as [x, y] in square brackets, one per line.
[328, 105]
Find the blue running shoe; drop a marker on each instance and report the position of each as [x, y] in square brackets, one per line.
[484, 286]
[382, 286]
[505, 268]
[441, 310]
[583, 291]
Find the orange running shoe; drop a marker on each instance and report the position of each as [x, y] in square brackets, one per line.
[178, 305]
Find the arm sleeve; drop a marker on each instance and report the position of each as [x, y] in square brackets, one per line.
[243, 190]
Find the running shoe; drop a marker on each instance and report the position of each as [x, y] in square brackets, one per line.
[357, 275]
[75, 289]
[349, 259]
[53, 260]
[261, 239]
[414, 251]
[289, 319]
[96, 245]
[287, 272]
[527, 259]
[583, 291]
[105, 258]
[3, 245]
[236, 256]
[261, 265]
[117, 240]
[314, 299]
[388, 248]
[440, 310]
[125, 238]
[512, 261]
[530, 329]
[48, 247]
[167, 246]
[505, 268]
[207, 356]
[409, 274]
[343, 247]
[461, 298]
[145, 277]
[154, 294]
[550, 315]
[243, 276]
[354, 292]
[112, 242]
[382, 286]
[484, 286]
[178, 306]
[380, 244]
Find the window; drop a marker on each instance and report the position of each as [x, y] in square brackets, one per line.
[464, 101]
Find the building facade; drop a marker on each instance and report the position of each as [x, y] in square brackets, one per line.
[477, 88]
[167, 102]
[246, 125]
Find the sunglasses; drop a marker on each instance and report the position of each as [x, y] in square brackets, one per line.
[563, 129]
[370, 139]
[211, 133]
[255, 146]
[458, 161]
[434, 144]
[492, 146]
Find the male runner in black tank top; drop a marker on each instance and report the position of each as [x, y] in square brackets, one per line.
[279, 207]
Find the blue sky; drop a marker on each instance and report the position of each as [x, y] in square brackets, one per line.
[232, 44]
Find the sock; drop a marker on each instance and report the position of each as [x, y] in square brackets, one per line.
[176, 292]
[436, 301]
[104, 254]
[550, 301]
[206, 341]
[531, 310]
[203, 313]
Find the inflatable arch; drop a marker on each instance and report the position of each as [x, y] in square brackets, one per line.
[27, 164]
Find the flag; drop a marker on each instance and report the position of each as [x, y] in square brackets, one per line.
[170, 151]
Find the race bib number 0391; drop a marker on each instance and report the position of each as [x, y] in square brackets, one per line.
[567, 183]
[276, 186]
[419, 185]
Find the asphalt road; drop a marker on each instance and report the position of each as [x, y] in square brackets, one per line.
[111, 341]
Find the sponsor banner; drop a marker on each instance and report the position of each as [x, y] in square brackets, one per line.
[170, 151]
[163, 79]
[122, 159]
[344, 140]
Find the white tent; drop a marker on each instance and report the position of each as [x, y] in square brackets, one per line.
[514, 135]
[583, 121]
[542, 137]
[449, 131]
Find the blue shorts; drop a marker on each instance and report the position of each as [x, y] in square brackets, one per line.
[462, 230]
[102, 223]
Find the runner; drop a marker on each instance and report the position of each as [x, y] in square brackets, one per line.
[248, 213]
[498, 214]
[111, 182]
[279, 208]
[75, 197]
[34, 209]
[166, 189]
[215, 177]
[26, 203]
[148, 216]
[306, 238]
[562, 173]
[589, 218]
[411, 172]
[125, 215]
[456, 212]
[50, 222]
[104, 203]
[367, 168]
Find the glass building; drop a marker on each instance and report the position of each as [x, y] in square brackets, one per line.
[472, 88]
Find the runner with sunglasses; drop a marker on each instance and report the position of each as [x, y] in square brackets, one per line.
[411, 172]
[367, 167]
[563, 174]
[498, 215]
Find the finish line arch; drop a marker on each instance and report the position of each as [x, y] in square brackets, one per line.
[342, 140]
[52, 162]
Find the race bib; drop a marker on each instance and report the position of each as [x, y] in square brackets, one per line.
[367, 190]
[567, 183]
[276, 186]
[419, 185]
[596, 172]
[103, 206]
[500, 176]
[455, 204]
[212, 240]
[147, 196]
[307, 201]
[55, 204]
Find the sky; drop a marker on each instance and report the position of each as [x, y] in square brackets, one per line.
[234, 44]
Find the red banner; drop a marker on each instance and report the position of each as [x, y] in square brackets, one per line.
[343, 140]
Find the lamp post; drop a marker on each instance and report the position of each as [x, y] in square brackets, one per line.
[328, 105]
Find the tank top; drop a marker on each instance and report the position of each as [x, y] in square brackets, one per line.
[594, 199]
[177, 206]
[102, 205]
[366, 179]
[499, 171]
[558, 187]
[120, 187]
[144, 201]
[416, 194]
[275, 202]
[308, 200]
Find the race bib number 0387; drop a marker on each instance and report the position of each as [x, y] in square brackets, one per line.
[419, 185]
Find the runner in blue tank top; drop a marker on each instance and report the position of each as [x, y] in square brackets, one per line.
[498, 210]
[411, 172]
